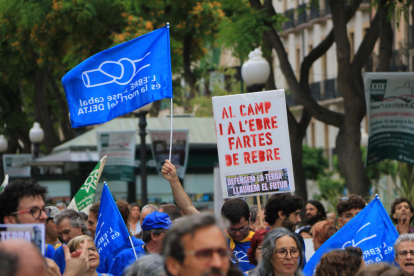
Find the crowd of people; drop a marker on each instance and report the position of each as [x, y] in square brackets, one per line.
[177, 240]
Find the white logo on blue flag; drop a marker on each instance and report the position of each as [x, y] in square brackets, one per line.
[111, 232]
[371, 230]
[120, 80]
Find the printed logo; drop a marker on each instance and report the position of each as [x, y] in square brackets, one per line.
[377, 90]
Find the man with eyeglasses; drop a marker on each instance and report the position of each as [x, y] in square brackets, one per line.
[195, 246]
[154, 227]
[348, 207]
[404, 253]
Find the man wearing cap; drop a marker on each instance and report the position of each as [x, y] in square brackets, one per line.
[52, 235]
[154, 226]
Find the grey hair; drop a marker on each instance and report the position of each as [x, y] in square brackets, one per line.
[172, 244]
[154, 208]
[403, 238]
[75, 220]
[265, 267]
[148, 265]
[254, 210]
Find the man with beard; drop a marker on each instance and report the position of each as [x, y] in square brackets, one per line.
[283, 210]
[315, 212]
[402, 212]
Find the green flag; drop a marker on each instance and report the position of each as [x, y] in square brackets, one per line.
[84, 198]
[4, 184]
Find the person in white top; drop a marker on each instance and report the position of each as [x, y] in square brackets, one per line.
[135, 223]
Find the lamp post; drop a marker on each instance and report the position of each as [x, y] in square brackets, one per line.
[3, 149]
[142, 124]
[36, 135]
[255, 71]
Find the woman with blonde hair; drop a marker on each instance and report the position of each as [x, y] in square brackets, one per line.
[93, 255]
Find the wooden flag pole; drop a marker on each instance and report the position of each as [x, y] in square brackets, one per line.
[259, 209]
[101, 166]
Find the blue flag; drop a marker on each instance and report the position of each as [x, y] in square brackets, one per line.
[120, 80]
[371, 230]
[111, 231]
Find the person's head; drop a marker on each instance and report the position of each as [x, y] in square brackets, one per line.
[346, 261]
[61, 206]
[172, 210]
[283, 210]
[348, 207]
[305, 232]
[92, 220]
[23, 258]
[254, 254]
[125, 211]
[321, 232]
[314, 212]
[148, 265]
[50, 228]
[402, 208]
[330, 217]
[195, 246]
[404, 253]
[70, 225]
[147, 209]
[154, 227]
[93, 255]
[380, 269]
[281, 254]
[135, 211]
[237, 212]
[23, 201]
[254, 222]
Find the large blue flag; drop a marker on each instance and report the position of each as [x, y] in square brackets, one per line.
[111, 231]
[371, 230]
[120, 80]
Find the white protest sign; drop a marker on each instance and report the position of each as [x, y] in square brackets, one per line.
[34, 233]
[253, 143]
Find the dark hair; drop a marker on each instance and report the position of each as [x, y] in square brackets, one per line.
[254, 210]
[9, 263]
[171, 210]
[340, 262]
[285, 202]
[173, 245]
[95, 209]
[254, 244]
[319, 206]
[397, 202]
[348, 203]
[135, 205]
[235, 209]
[146, 235]
[380, 269]
[124, 209]
[16, 190]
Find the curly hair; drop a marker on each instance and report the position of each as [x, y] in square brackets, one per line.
[340, 262]
[256, 240]
[235, 209]
[348, 203]
[399, 201]
[323, 230]
[16, 190]
[285, 202]
[380, 269]
[124, 209]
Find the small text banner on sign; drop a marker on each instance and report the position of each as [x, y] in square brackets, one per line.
[253, 143]
[390, 112]
[34, 233]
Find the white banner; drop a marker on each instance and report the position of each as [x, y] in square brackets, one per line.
[253, 143]
[15, 165]
[34, 233]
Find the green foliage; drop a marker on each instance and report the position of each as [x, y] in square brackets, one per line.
[406, 175]
[396, 9]
[313, 161]
[330, 190]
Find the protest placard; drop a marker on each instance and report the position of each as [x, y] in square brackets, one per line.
[34, 233]
[160, 147]
[390, 111]
[15, 165]
[253, 143]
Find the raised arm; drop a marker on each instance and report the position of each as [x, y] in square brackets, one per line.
[180, 196]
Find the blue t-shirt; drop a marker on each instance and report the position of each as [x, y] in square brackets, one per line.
[239, 250]
[124, 259]
[50, 250]
[127, 245]
[59, 258]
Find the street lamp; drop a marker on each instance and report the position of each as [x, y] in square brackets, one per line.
[255, 71]
[36, 135]
[142, 124]
[3, 149]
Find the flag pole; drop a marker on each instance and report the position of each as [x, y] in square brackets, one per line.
[101, 166]
[133, 248]
[171, 132]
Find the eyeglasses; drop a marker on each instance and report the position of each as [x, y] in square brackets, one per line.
[403, 254]
[241, 230]
[282, 253]
[35, 211]
[206, 254]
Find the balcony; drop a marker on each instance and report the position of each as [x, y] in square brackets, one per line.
[314, 10]
[290, 101]
[301, 14]
[327, 7]
[410, 36]
[290, 16]
[315, 89]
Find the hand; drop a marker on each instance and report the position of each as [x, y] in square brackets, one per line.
[168, 170]
[77, 261]
[403, 225]
[52, 268]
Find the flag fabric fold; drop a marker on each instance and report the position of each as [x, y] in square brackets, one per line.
[371, 230]
[120, 79]
[111, 231]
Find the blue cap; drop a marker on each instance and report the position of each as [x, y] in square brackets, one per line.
[156, 220]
